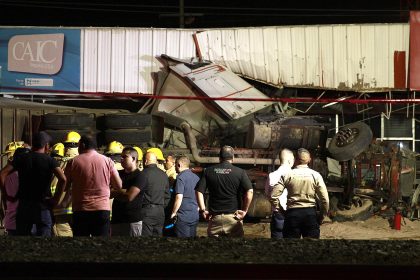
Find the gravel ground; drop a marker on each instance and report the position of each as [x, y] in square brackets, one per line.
[210, 250]
[338, 254]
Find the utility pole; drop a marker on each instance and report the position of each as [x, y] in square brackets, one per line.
[181, 14]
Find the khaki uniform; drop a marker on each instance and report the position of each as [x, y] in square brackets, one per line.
[304, 186]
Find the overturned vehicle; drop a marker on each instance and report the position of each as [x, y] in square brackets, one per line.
[200, 106]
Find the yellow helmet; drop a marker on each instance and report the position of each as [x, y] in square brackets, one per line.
[58, 149]
[11, 148]
[115, 147]
[139, 152]
[157, 152]
[72, 137]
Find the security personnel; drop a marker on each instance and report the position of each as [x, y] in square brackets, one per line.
[114, 151]
[159, 156]
[154, 185]
[140, 157]
[63, 212]
[225, 183]
[304, 186]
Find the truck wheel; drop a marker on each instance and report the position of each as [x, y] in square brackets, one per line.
[129, 136]
[60, 135]
[350, 141]
[122, 121]
[359, 212]
[68, 121]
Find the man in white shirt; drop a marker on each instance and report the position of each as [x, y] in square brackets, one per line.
[305, 187]
[277, 218]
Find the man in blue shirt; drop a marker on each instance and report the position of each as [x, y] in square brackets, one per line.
[185, 205]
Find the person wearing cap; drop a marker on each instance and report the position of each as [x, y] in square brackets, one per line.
[304, 186]
[10, 188]
[185, 207]
[35, 170]
[114, 151]
[287, 160]
[90, 176]
[63, 212]
[126, 208]
[225, 184]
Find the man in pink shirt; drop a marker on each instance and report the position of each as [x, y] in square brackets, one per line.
[90, 176]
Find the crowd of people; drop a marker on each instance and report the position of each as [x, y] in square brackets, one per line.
[71, 189]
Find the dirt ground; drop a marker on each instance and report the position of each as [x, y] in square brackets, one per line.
[375, 228]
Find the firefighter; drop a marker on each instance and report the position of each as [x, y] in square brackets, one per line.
[140, 157]
[57, 150]
[114, 152]
[159, 156]
[63, 213]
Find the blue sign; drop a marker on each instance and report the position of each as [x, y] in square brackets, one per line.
[44, 59]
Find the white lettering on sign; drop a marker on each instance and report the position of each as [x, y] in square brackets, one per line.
[41, 54]
[27, 52]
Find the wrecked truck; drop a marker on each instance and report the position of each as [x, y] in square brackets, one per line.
[194, 112]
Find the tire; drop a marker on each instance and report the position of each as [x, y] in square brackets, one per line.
[68, 121]
[132, 121]
[359, 213]
[354, 148]
[60, 135]
[260, 207]
[131, 136]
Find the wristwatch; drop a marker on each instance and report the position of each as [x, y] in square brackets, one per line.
[201, 211]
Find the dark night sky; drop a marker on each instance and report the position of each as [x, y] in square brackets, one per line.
[200, 13]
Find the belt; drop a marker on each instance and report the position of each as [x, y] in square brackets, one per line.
[222, 213]
[151, 205]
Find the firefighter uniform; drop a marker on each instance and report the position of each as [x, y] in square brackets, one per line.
[63, 212]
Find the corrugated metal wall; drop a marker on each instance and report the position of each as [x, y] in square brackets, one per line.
[357, 57]
[123, 59]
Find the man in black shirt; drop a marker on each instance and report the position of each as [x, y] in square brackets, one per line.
[35, 170]
[154, 184]
[225, 183]
[127, 201]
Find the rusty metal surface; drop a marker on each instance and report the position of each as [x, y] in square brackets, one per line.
[414, 50]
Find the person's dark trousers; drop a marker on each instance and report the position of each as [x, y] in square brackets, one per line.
[95, 223]
[30, 213]
[153, 220]
[276, 225]
[301, 222]
[185, 229]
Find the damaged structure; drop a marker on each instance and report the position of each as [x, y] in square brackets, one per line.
[287, 87]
